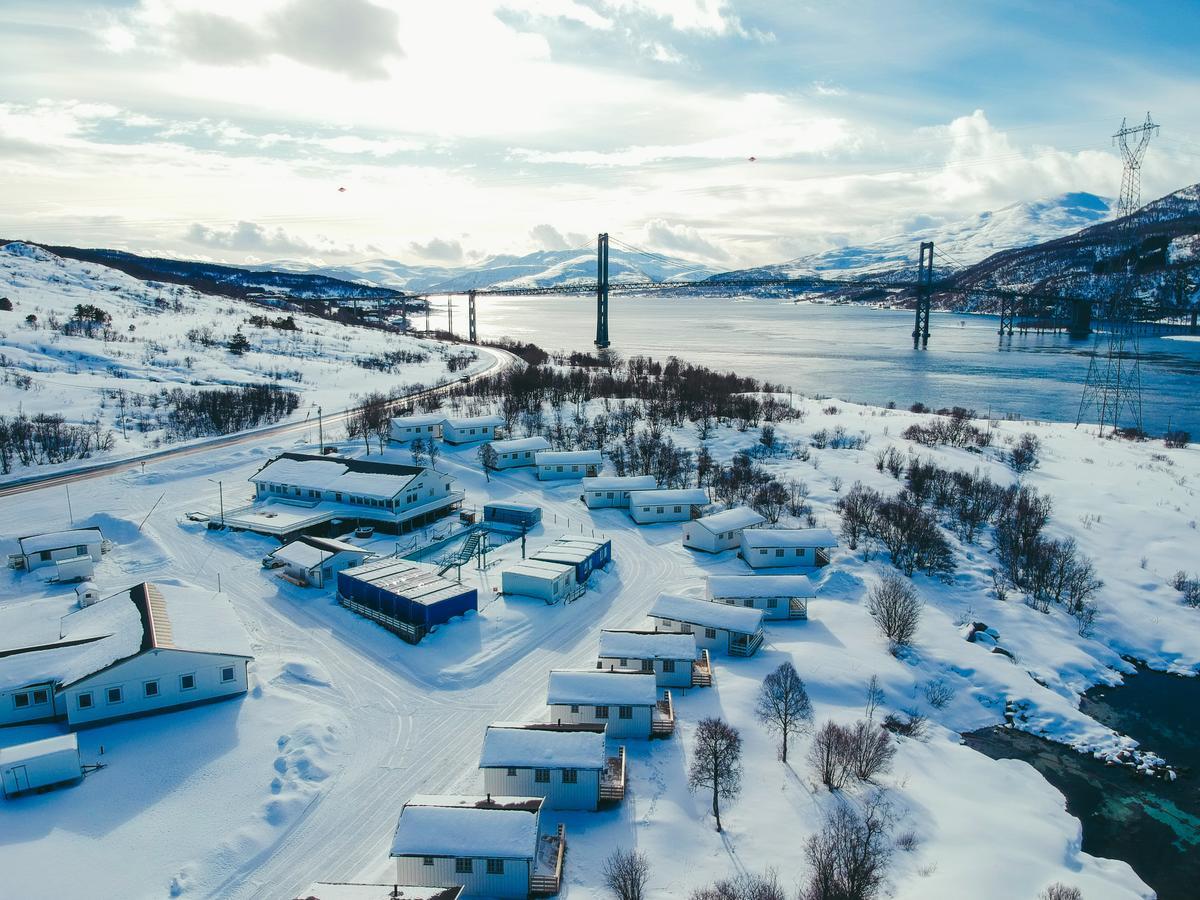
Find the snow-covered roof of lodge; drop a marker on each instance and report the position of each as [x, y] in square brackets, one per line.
[52, 640]
[505, 504]
[412, 581]
[340, 890]
[516, 445]
[568, 457]
[540, 746]
[789, 537]
[731, 519]
[19, 753]
[540, 568]
[420, 419]
[647, 645]
[492, 421]
[738, 619]
[308, 552]
[379, 480]
[594, 686]
[665, 496]
[620, 483]
[742, 586]
[56, 540]
[501, 827]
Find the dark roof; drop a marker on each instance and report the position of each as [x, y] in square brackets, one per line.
[356, 465]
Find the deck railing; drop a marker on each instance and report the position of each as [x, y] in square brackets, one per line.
[662, 722]
[547, 884]
[612, 780]
[798, 608]
[746, 645]
[702, 673]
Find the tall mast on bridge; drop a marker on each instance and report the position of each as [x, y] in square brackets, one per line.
[1114, 379]
[602, 291]
[924, 296]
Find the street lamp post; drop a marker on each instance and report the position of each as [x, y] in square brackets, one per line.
[221, 497]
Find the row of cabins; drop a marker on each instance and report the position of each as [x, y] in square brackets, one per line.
[451, 429]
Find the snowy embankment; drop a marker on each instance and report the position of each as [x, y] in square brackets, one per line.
[303, 779]
[109, 373]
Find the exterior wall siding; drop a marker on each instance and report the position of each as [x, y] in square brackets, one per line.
[35, 560]
[585, 794]
[606, 499]
[720, 643]
[792, 556]
[550, 590]
[11, 714]
[636, 727]
[681, 677]
[779, 611]
[452, 435]
[645, 514]
[514, 460]
[514, 883]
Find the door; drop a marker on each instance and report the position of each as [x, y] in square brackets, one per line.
[16, 780]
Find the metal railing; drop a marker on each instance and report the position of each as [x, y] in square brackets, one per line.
[546, 884]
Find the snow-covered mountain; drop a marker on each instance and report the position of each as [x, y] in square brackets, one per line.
[543, 268]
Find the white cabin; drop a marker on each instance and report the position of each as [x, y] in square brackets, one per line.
[626, 702]
[734, 630]
[86, 593]
[666, 505]
[548, 581]
[471, 430]
[38, 550]
[420, 425]
[489, 846]
[315, 561]
[720, 531]
[40, 765]
[777, 596]
[150, 649]
[517, 452]
[556, 465]
[568, 765]
[669, 657]
[767, 548]
[613, 490]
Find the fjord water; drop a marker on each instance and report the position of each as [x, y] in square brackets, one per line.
[854, 353]
[1152, 824]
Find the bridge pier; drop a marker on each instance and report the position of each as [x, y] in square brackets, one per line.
[474, 337]
[920, 333]
[1081, 320]
[601, 291]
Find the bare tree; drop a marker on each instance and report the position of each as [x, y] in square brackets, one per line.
[433, 450]
[626, 873]
[850, 855]
[488, 457]
[783, 705]
[417, 448]
[874, 698]
[872, 750]
[716, 762]
[744, 886]
[831, 755]
[896, 607]
[1060, 891]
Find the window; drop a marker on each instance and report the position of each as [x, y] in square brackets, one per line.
[512, 773]
[762, 551]
[40, 696]
[81, 550]
[710, 633]
[748, 603]
[114, 695]
[800, 552]
[84, 700]
[779, 552]
[647, 665]
[45, 556]
[20, 701]
[685, 627]
[427, 860]
[668, 665]
[495, 867]
[187, 682]
[610, 495]
[625, 712]
[660, 509]
[574, 707]
[570, 776]
[462, 866]
[624, 663]
[679, 509]
[226, 674]
[601, 712]
[150, 688]
[541, 776]
[772, 602]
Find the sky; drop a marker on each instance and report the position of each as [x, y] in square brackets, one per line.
[729, 132]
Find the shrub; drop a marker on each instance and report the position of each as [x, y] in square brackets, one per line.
[744, 886]
[1060, 891]
[626, 873]
[938, 693]
[896, 608]
[1025, 454]
[849, 857]
[1177, 438]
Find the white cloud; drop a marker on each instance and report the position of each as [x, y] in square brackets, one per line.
[547, 237]
[438, 250]
[674, 238]
[253, 238]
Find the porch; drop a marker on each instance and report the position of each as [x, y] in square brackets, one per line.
[548, 864]
[745, 644]
[662, 719]
[702, 672]
[612, 779]
[798, 608]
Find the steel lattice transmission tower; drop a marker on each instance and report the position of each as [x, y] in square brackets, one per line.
[1114, 380]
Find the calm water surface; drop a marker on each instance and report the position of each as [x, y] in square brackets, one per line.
[853, 353]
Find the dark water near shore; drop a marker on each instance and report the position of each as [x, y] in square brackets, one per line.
[1153, 824]
[853, 353]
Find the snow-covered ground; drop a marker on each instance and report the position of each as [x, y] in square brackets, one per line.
[303, 779]
[164, 336]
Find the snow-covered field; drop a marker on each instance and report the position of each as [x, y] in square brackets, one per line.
[164, 336]
[303, 779]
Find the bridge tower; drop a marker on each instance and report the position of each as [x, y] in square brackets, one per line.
[1008, 313]
[924, 296]
[474, 337]
[1114, 379]
[450, 314]
[602, 291]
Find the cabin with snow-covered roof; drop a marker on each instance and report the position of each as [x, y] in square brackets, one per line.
[315, 561]
[603, 491]
[153, 648]
[585, 554]
[777, 596]
[734, 630]
[720, 531]
[471, 429]
[488, 846]
[628, 703]
[666, 505]
[556, 465]
[40, 765]
[517, 452]
[547, 581]
[767, 548]
[408, 428]
[672, 658]
[568, 765]
[50, 548]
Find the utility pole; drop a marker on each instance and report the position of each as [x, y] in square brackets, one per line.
[450, 314]
[1114, 379]
[602, 291]
[221, 496]
[474, 337]
[320, 431]
[426, 316]
[70, 512]
[924, 296]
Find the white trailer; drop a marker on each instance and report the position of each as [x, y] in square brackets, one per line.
[79, 568]
[40, 765]
[548, 581]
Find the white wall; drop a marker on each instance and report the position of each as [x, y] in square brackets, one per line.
[636, 727]
[584, 794]
[707, 638]
[605, 499]
[544, 588]
[473, 434]
[11, 714]
[402, 433]
[513, 459]
[558, 472]
[59, 767]
[164, 665]
[50, 557]
[681, 677]
[513, 883]
[645, 514]
[771, 558]
[780, 610]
